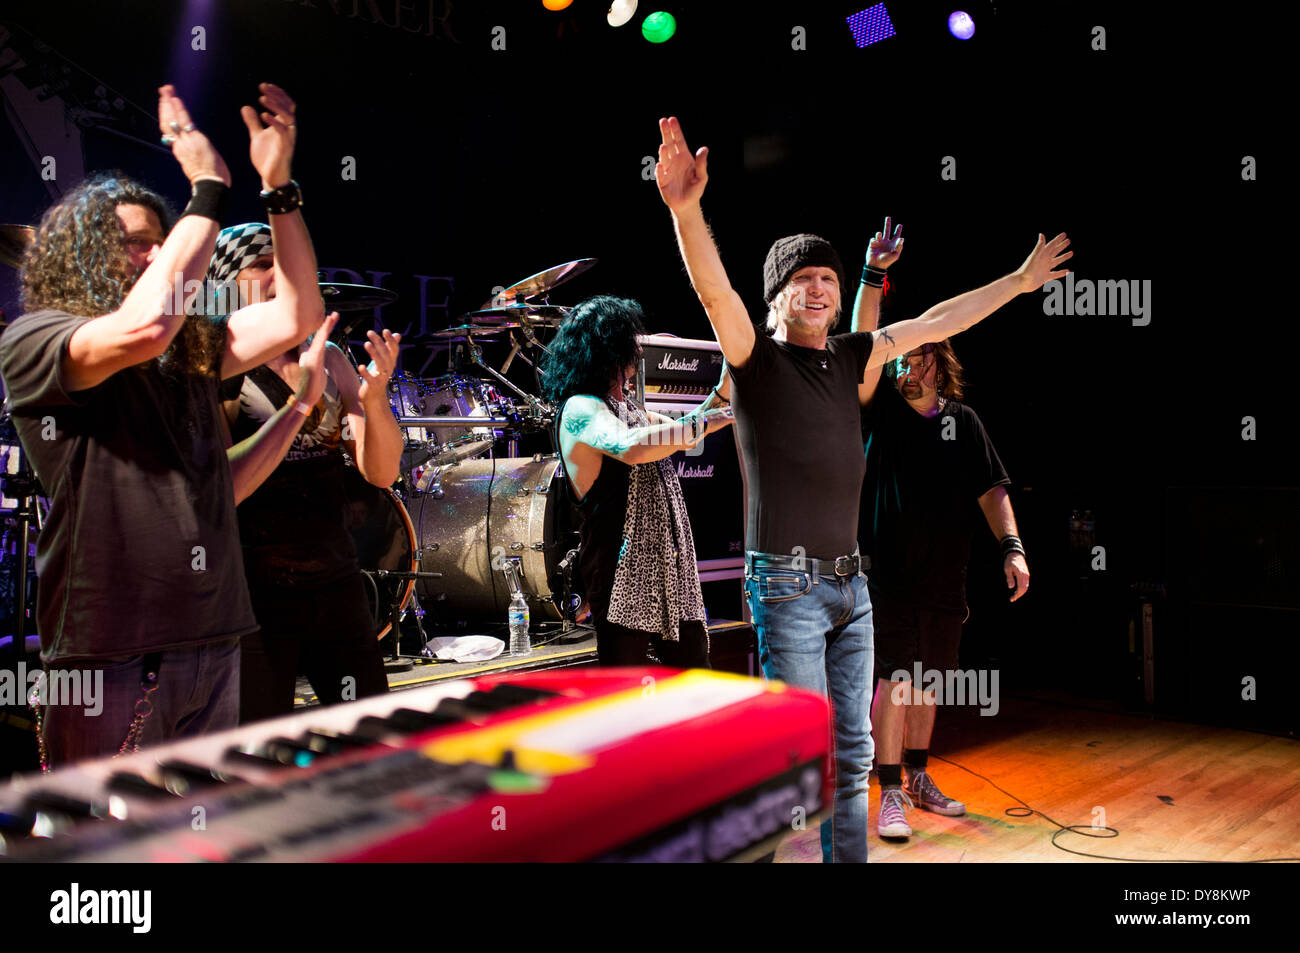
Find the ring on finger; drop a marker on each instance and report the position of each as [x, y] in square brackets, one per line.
[174, 126]
[167, 140]
[189, 127]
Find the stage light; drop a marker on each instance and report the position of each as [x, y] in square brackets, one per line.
[961, 25]
[556, 4]
[620, 12]
[659, 27]
[871, 25]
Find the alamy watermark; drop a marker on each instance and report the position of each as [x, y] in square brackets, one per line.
[951, 687]
[81, 688]
[1084, 296]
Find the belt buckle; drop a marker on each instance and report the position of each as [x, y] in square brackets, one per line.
[846, 565]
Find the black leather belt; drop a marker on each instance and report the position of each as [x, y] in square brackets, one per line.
[839, 566]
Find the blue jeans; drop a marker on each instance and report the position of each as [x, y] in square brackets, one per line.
[814, 631]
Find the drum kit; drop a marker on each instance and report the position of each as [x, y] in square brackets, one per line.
[465, 527]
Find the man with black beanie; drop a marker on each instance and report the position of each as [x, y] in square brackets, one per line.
[797, 396]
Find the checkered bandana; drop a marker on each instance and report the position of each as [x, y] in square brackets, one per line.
[238, 247]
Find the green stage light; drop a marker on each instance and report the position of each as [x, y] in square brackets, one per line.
[659, 27]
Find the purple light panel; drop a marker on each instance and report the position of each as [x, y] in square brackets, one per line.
[871, 25]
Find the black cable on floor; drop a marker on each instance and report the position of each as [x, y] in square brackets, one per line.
[1087, 830]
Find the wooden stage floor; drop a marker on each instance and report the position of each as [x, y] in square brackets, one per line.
[1173, 790]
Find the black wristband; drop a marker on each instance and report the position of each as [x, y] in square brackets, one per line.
[1012, 544]
[285, 199]
[873, 277]
[208, 200]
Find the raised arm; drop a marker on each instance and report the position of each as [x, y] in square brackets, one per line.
[682, 177]
[371, 435]
[882, 251]
[957, 314]
[996, 504]
[260, 331]
[254, 459]
[144, 324]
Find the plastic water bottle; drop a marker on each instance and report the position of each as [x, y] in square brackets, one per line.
[518, 619]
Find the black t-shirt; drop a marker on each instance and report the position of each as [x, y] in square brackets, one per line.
[292, 526]
[141, 549]
[798, 427]
[919, 509]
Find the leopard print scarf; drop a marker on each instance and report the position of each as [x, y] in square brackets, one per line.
[656, 585]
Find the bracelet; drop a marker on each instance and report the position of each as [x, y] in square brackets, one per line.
[1012, 544]
[285, 199]
[873, 277]
[208, 200]
[300, 406]
[719, 396]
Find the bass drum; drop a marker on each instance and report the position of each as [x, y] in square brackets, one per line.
[490, 511]
[385, 539]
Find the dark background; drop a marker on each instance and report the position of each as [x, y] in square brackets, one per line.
[483, 166]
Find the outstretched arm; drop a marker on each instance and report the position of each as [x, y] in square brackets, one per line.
[682, 177]
[588, 421]
[882, 251]
[996, 504]
[260, 331]
[957, 314]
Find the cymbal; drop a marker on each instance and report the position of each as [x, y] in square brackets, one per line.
[513, 315]
[14, 240]
[544, 281]
[341, 297]
[465, 331]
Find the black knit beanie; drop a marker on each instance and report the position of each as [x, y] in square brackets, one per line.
[787, 255]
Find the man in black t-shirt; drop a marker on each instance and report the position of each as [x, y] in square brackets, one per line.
[796, 398]
[930, 463]
[114, 393]
[300, 561]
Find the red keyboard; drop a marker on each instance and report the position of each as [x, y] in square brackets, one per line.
[572, 765]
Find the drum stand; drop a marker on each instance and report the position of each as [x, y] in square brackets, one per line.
[399, 662]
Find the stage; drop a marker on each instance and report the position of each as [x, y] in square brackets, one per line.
[1174, 791]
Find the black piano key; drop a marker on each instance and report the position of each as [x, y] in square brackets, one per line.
[372, 727]
[289, 751]
[326, 743]
[54, 802]
[456, 710]
[258, 757]
[521, 694]
[127, 782]
[407, 720]
[488, 702]
[187, 780]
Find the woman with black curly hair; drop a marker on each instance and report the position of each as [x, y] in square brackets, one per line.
[637, 553]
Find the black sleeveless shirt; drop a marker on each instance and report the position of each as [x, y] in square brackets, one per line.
[603, 510]
[292, 527]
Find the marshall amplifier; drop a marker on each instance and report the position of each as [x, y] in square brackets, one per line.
[673, 370]
[675, 376]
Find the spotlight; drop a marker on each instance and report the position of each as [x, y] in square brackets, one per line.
[620, 12]
[871, 25]
[556, 4]
[961, 25]
[659, 27]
